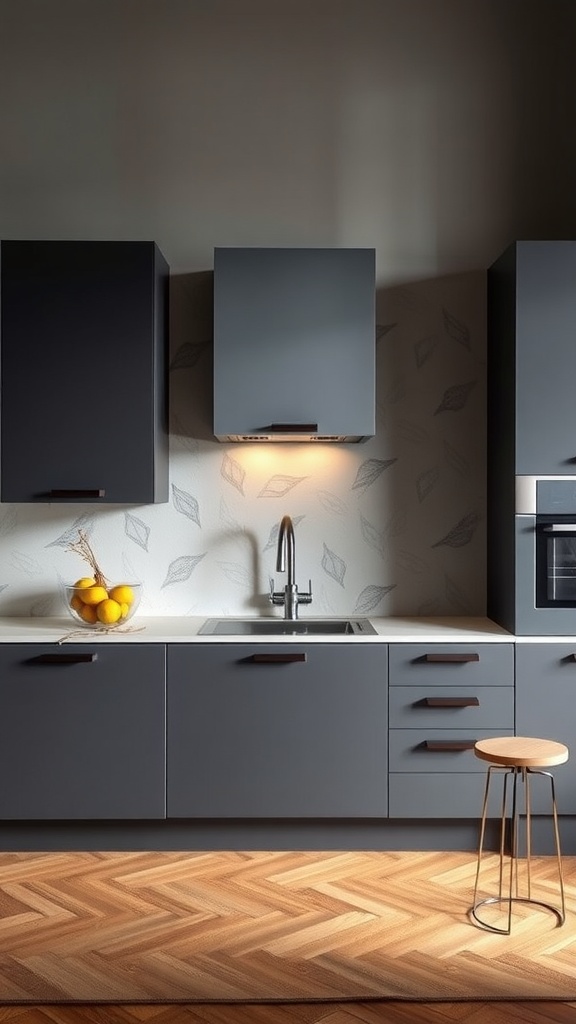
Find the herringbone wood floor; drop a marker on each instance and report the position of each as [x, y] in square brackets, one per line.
[207, 930]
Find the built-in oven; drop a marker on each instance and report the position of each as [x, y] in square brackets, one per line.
[544, 572]
[555, 561]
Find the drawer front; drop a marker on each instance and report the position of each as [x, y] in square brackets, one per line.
[449, 707]
[451, 664]
[438, 750]
[434, 796]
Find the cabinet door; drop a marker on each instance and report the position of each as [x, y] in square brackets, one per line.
[277, 731]
[83, 372]
[545, 358]
[82, 731]
[545, 703]
[294, 341]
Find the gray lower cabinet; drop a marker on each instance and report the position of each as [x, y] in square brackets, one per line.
[442, 699]
[277, 731]
[546, 707]
[82, 731]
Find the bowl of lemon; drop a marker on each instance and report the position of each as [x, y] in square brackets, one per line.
[95, 603]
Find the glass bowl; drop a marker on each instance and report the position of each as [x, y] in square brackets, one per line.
[109, 606]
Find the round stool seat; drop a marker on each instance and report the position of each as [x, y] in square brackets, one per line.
[521, 751]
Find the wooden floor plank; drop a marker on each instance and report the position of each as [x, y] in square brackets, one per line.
[299, 1013]
[137, 930]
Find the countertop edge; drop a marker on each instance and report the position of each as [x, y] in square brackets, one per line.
[184, 629]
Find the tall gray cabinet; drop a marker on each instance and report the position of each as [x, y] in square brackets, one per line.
[83, 343]
[545, 688]
[531, 419]
[532, 309]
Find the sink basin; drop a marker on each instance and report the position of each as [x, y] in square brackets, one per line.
[287, 627]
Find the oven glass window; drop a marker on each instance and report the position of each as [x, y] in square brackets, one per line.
[561, 567]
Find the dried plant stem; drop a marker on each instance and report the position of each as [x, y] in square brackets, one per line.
[82, 547]
[98, 632]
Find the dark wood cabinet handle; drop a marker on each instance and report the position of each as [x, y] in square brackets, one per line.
[78, 493]
[449, 745]
[442, 659]
[452, 702]
[293, 428]
[65, 658]
[270, 659]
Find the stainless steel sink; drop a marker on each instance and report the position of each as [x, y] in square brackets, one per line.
[287, 627]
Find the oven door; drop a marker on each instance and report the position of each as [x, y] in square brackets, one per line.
[555, 561]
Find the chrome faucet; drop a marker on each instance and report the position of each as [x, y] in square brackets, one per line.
[289, 597]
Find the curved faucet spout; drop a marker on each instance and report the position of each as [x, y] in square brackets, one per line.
[286, 544]
[289, 597]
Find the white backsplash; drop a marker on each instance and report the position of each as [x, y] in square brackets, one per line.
[394, 526]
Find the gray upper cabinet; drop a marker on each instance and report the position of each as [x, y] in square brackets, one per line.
[532, 359]
[83, 372]
[277, 731]
[294, 344]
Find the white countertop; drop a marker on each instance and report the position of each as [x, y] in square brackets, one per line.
[180, 629]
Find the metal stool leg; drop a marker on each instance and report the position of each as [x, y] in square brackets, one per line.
[560, 913]
[513, 884]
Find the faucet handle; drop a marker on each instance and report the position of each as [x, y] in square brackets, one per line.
[306, 598]
[275, 597]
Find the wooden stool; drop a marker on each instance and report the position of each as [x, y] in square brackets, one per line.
[518, 756]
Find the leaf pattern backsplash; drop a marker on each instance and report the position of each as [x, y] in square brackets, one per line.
[392, 526]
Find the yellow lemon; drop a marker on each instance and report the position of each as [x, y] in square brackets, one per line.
[124, 609]
[88, 613]
[108, 611]
[122, 593]
[86, 581]
[76, 602]
[93, 595]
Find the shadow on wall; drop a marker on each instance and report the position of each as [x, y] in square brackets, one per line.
[431, 419]
[191, 334]
[399, 521]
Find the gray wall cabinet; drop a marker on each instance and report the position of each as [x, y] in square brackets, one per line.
[277, 731]
[442, 699]
[532, 357]
[294, 342]
[545, 706]
[83, 372]
[82, 731]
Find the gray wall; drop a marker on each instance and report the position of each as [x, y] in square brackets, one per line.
[434, 130]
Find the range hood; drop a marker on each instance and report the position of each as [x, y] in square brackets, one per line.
[294, 344]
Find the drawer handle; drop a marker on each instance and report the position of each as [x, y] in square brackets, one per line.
[271, 659]
[77, 493]
[449, 744]
[65, 659]
[450, 658]
[452, 702]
